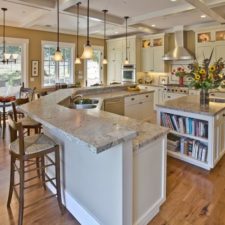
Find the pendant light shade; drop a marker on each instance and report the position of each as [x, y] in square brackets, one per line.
[88, 50]
[104, 61]
[126, 60]
[7, 57]
[58, 54]
[77, 60]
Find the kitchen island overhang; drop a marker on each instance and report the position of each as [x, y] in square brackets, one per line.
[113, 167]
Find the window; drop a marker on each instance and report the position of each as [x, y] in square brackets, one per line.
[93, 68]
[13, 74]
[57, 72]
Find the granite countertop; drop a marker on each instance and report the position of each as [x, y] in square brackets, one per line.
[98, 129]
[192, 104]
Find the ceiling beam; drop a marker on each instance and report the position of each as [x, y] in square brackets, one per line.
[205, 9]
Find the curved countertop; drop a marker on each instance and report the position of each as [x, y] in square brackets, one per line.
[98, 129]
[192, 104]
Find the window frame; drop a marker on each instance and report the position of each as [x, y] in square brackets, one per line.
[101, 48]
[24, 53]
[61, 44]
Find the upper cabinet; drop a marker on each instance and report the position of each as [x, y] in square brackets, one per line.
[206, 41]
[152, 51]
[116, 51]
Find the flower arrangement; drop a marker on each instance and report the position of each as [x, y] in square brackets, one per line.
[207, 76]
[179, 72]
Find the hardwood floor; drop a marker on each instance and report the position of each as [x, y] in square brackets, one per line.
[194, 197]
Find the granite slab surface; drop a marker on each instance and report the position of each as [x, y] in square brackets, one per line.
[98, 129]
[192, 104]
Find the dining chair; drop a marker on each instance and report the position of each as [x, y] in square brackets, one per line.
[24, 151]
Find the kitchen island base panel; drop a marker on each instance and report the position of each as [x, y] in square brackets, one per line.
[97, 187]
[149, 180]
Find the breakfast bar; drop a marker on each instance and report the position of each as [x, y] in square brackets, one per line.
[113, 167]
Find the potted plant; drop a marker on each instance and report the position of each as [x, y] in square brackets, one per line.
[181, 73]
[206, 76]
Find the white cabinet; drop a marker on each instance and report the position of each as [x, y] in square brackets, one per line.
[219, 136]
[158, 93]
[152, 52]
[206, 41]
[116, 50]
[147, 59]
[139, 106]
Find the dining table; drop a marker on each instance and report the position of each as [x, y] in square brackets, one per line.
[5, 102]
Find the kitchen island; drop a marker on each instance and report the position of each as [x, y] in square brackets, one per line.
[200, 130]
[113, 167]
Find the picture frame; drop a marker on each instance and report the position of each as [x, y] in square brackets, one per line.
[34, 68]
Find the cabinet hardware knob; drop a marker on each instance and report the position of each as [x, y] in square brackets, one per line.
[223, 114]
[132, 99]
[146, 96]
[140, 102]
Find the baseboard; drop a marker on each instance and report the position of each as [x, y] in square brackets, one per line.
[80, 213]
[150, 213]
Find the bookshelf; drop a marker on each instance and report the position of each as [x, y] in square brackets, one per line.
[195, 138]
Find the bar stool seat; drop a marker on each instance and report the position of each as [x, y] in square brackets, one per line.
[33, 144]
[28, 122]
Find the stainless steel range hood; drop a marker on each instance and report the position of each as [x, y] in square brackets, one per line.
[179, 52]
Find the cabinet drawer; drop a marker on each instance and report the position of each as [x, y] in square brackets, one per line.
[132, 100]
[220, 118]
[146, 97]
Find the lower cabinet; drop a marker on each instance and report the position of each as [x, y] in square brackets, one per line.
[139, 106]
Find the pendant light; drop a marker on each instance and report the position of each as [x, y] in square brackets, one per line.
[58, 54]
[88, 50]
[126, 60]
[7, 57]
[77, 60]
[104, 61]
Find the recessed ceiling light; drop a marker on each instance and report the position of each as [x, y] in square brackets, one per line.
[116, 32]
[203, 16]
[173, 0]
[153, 25]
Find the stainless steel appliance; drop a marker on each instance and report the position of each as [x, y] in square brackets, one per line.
[129, 73]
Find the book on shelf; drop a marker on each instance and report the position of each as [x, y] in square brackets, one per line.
[185, 125]
[173, 142]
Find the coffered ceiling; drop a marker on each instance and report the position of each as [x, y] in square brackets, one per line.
[146, 16]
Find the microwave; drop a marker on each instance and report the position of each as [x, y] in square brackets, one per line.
[129, 73]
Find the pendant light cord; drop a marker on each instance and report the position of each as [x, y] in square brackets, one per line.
[105, 11]
[126, 18]
[88, 42]
[57, 25]
[78, 13]
[4, 32]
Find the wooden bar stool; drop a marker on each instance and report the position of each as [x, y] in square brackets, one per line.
[26, 121]
[23, 150]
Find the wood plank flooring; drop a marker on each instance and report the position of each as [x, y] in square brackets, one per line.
[194, 197]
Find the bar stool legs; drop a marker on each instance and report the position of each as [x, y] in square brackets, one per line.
[21, 197]
[11, 181]
[57, 174]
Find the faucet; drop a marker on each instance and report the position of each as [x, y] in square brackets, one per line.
[73, 98]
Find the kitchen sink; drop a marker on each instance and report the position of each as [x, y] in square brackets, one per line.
[84, 103]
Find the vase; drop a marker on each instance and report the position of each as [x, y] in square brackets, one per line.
[181, 81]
[204, 97]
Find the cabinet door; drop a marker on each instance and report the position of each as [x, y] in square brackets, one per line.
[147, 59]
[146, 109]
[158, 63]
[110, 71]
[118, 70]
[132, 111]
[203, 52]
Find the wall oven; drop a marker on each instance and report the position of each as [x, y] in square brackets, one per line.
[129, 73]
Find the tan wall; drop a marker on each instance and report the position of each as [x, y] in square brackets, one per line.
[189, 41]
[35, 37]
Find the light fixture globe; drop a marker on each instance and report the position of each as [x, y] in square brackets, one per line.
[77, 61]
[88, 52]
[126, 62]
[104, 61]
[58, 55]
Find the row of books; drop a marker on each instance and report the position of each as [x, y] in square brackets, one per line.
[187, 146]
[185, 125]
